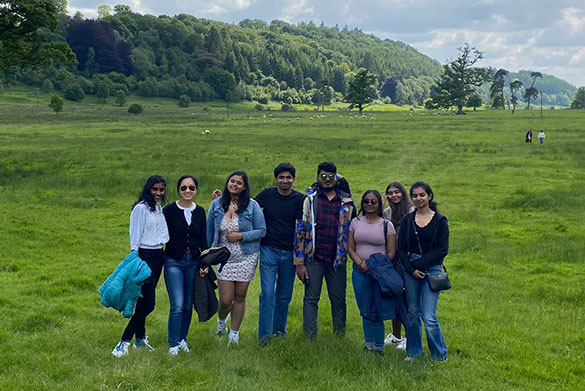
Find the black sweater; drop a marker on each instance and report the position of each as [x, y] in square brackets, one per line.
[183, 236]
[434, 242]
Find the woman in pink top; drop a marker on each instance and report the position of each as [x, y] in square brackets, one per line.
[366, 237]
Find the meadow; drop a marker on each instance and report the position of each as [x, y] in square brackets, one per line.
[514, 320]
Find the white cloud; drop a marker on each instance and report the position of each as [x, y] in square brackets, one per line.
[297, 10]
[574, 19]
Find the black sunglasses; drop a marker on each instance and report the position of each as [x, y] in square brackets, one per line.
[325, 176]
[370, 202]
[191, 187]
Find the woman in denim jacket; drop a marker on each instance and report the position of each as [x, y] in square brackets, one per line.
[235, 221]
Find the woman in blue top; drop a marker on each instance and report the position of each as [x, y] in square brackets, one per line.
[235, 221]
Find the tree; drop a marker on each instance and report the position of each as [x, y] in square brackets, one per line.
[74, 92]
[103, 91]
[474, 100]
[23, 25]
[135, 108]
[532, 92]
[56, 103]
[460, 78]
[579, 99]
[514, 85]
[184, 101]
[120, 98]
[497, 89]
[362, 89]
[388, 88]
[104, 11]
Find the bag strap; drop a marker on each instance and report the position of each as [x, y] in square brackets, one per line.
[416, 234]
[386, 233]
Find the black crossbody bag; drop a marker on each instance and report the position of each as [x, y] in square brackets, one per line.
[437, 282]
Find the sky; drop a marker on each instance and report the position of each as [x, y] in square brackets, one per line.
[547, 36]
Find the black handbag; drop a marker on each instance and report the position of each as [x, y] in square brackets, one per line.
[439, 282]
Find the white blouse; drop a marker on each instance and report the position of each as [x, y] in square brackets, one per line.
[147, 229]
[188, 212]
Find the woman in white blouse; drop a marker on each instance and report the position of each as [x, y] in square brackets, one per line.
[148, 234]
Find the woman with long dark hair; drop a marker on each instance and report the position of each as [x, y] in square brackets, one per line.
[187, 230]
[399, 205]
[366, 237]
[423, 243]
[235, 221]
[148, 234]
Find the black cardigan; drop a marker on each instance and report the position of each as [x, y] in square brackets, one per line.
[439, 244]
[183, 236]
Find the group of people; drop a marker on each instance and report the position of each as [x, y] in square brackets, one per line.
[308, 235]
[541, 136]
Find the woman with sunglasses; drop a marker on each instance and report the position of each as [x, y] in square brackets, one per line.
[187, 230]
[422, 245]
[148, 234]
[399, 205]
[366, 237]
[237, 222]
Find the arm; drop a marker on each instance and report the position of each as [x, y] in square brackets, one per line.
[391, 245]
[258, 230]
[210, 226]
[351, 249]
[137, 219]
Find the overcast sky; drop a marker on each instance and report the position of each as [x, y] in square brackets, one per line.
[540, 35]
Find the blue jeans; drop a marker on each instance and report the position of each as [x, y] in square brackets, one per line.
[179, 280]
[373, 331]
[276, 269]
[422, 303]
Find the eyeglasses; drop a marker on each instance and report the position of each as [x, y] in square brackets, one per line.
[370, 202]
[191, 187]
[324, 177]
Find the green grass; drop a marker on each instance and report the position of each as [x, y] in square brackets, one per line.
[514, 319]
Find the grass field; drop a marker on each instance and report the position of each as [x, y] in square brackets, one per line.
[515, 319]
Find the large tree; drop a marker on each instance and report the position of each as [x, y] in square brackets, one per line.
[514, 85]
[460, 78]
[23, 26]
[497, 89]
[362, 89]
[579, 99]
[531, 92]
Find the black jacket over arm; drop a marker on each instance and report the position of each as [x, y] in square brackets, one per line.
[439, 244]
[183, 236]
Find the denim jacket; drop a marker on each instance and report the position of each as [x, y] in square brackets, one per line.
[250, 222]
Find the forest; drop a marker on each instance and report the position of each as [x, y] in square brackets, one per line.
[196, 59]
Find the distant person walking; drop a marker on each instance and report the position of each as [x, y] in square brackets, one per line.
[148, 234]
[187, 231]
[423, 243]
[541, 136]
[529, 137]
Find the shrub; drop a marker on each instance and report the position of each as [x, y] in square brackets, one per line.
[120, 98]
[184, 101]
[263, 100]
[74, 92]
[135, 108]
[206, 108]
[286, 107]
[56, 103]
[259, 107]
[47, 86]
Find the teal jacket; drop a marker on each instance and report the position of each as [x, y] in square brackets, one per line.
[121, 290]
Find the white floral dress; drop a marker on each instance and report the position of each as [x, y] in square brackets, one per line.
[239, 267]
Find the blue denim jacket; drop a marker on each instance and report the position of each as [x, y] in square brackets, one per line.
[251, 223]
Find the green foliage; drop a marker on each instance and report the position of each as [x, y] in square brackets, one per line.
[184, 101]
[103, 91]
[475, 101]
[362, 89]
[47, 86]
[56, 103]
[120, 98]
[579, 99]
[497, 88]
[135, 108]
[74, 92]
[286, 107]
[259, 107]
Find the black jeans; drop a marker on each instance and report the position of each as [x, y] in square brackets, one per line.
[145, 304]
[336, 285]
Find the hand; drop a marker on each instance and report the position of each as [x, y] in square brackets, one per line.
[215, 194]
[302, 273]
[364, 267]
[234, 236]
[203, 272]
[419, 274]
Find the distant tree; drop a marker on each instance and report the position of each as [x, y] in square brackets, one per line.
[429, 104]
[579, 99]
[56, 103]
[531, 92]
[103, 91]
[23, 34]
[474, 100]
[74, 92]
[497, 89]
[120, 98]
[362, 89]
[460, 78]
[388, 88]
[47, 86]
[514, 85]
[104, 11]
[184, 101]
[135, 108]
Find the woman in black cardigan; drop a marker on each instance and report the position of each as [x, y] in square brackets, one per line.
[423, 243]
[187, 231]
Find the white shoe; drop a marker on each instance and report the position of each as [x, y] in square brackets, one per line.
[222, 329]
[409, 358]
[391, 339]
[233, 339]
[142, 343]
[174, 350]
[401, 345]
[184, 347]
[121, 349]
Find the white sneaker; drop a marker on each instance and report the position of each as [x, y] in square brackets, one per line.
[401, 345]
[409, 358]
[142, 343]
[233, 339]
[391, 339]
[174, 350]
[121, 349]
[222, 328]
[184, 347]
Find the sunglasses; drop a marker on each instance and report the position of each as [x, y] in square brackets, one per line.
[324, 177]
[191, 187]
[370, 202]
